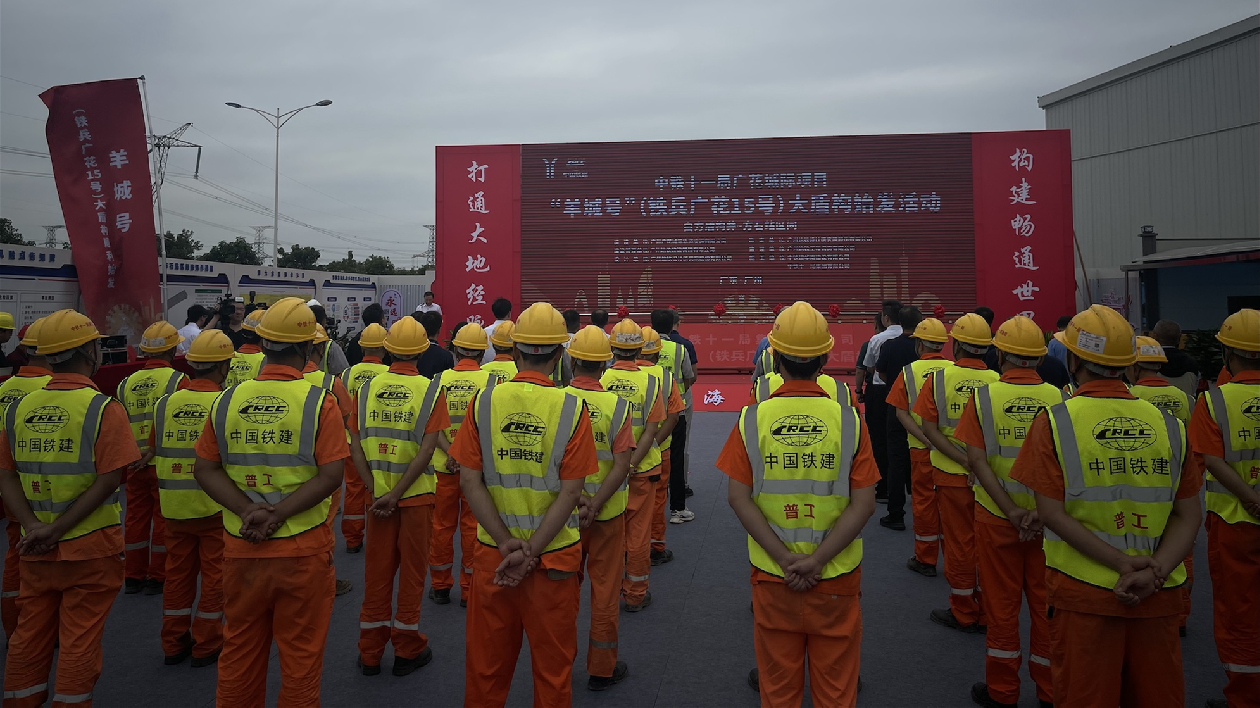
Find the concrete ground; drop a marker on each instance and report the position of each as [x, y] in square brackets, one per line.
[693, 647]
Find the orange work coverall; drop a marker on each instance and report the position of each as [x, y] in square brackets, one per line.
[1103, 653]
[144, 529]
[1234, 565]
[924, 514]
[400, 547]
[661, 495]
[353, 517]
[544, 606]
[13, 532]
[956, 503]
[824, 623]
[450, 510]
[67, 594]
[1009, 570]
[639, 506]
[281, 589]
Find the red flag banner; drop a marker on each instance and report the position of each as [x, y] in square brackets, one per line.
[96, 136]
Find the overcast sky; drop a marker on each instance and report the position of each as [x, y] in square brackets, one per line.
[406, 76]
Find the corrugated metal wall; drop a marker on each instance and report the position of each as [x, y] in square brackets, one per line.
[1174, 147]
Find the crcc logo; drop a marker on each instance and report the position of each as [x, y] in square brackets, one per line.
[524, 429]
[264, 410]
[190, 415]
[143, 386]
[968, 387]
[622, 387]
[394, 395]
[798, 430]
[1251, 408]
[47, 419]
[1124, 434]
[1023, 409]
[594, 413]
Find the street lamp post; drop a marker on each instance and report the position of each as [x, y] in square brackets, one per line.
[278, 120]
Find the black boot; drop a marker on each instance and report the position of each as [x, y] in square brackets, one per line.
[603, 683]
[402, 666]
[440, 596]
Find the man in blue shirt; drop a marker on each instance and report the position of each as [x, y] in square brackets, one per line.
[1055, 347]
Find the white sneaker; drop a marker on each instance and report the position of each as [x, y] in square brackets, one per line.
[681, 517]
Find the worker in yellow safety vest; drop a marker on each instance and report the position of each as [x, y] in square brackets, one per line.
[460, 386]
[71, 550]
[1225, 430]
[603, 503]
[145, 530]
[249, 358]
[1009, 557]
[1117, 494]
[644, 392]
[502, 366]
[192, 622]
[524, 453]
[802, 483]
[372, 342]
[394, 430]
[649, 360]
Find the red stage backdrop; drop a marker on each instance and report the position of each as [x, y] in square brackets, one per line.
[958, 220]
[100, 160]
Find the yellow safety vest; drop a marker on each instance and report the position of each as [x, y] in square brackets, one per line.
[244, 367]
[913, 376]
[767, 361]
[952, 388]
[837, 391]
[524, 429]
[140, 392]
[52, 435]
[607, 412]
[801, 449]
[1235, 408]
[394, 410]
[460, 387]
[640, 389]
[1006, 411]
[178, 421]
[1121, 462]
[15, 387]
[323, 360]
[359, 374]
[504, 370]
[667, 384]
[670, 360]
[1168, 399]
[266, 432]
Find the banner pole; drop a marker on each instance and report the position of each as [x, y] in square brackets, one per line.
[157, 194]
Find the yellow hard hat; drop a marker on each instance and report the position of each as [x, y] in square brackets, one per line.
[321, 334]
[541, 325]
[159, 337]
[1241, 331]
[6, 321]
[253, 319]
[471, 336]
[1149, 350]
[1101, 335]
[31, 338]
[65, 329]
[502, 334]
[590, 344]
[972, 329]
[407, 337]
[801, 331]
[627, 335]
[211, 345]
[931, 329]
[288, 321]
[651, 341]
[373, 335]
[1020, 336]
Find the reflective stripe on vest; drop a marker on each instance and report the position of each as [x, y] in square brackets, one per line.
[15, 387]
[178, 421]
[139, 393]
[952, 387]
[639, 388]
[504, 371]
[1168, 399]
[459, 387]
[1235, 408]
[356, 376]
[1018, 405]
[667, 387]
[524, 429]
[52, 434]
[836, 390]
[384, 419]
[605, 425]
[244, 367]
[1116, 438]
[286, 416]
[912, 377]
[801, 452]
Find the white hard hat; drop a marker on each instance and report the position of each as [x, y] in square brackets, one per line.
[313, 302]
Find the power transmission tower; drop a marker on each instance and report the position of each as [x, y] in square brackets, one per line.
[260, 243]
[50, 240]
[162, 144]
[428, 255]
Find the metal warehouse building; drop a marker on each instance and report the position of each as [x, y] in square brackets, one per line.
[1166, 179]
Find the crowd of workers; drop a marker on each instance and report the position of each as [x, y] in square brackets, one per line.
[553, 449]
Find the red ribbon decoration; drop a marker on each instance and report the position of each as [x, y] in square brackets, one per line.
[777, 308]
[939, 312]
[834, 310]
[719, 309]
[623, 312]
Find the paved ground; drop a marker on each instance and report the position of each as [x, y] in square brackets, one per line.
[693, 647]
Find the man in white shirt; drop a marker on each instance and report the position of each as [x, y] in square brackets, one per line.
[502, 311]
[429, 305]
[199, 318]
[873, 401]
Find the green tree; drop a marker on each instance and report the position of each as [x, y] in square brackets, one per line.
[345, 265]
[10, 234]
[377, 265]
[239, 251]
[181, 246]
[300, 257]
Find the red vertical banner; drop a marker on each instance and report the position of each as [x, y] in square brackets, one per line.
[100, 159]
[1022, 188]
[478, 241]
